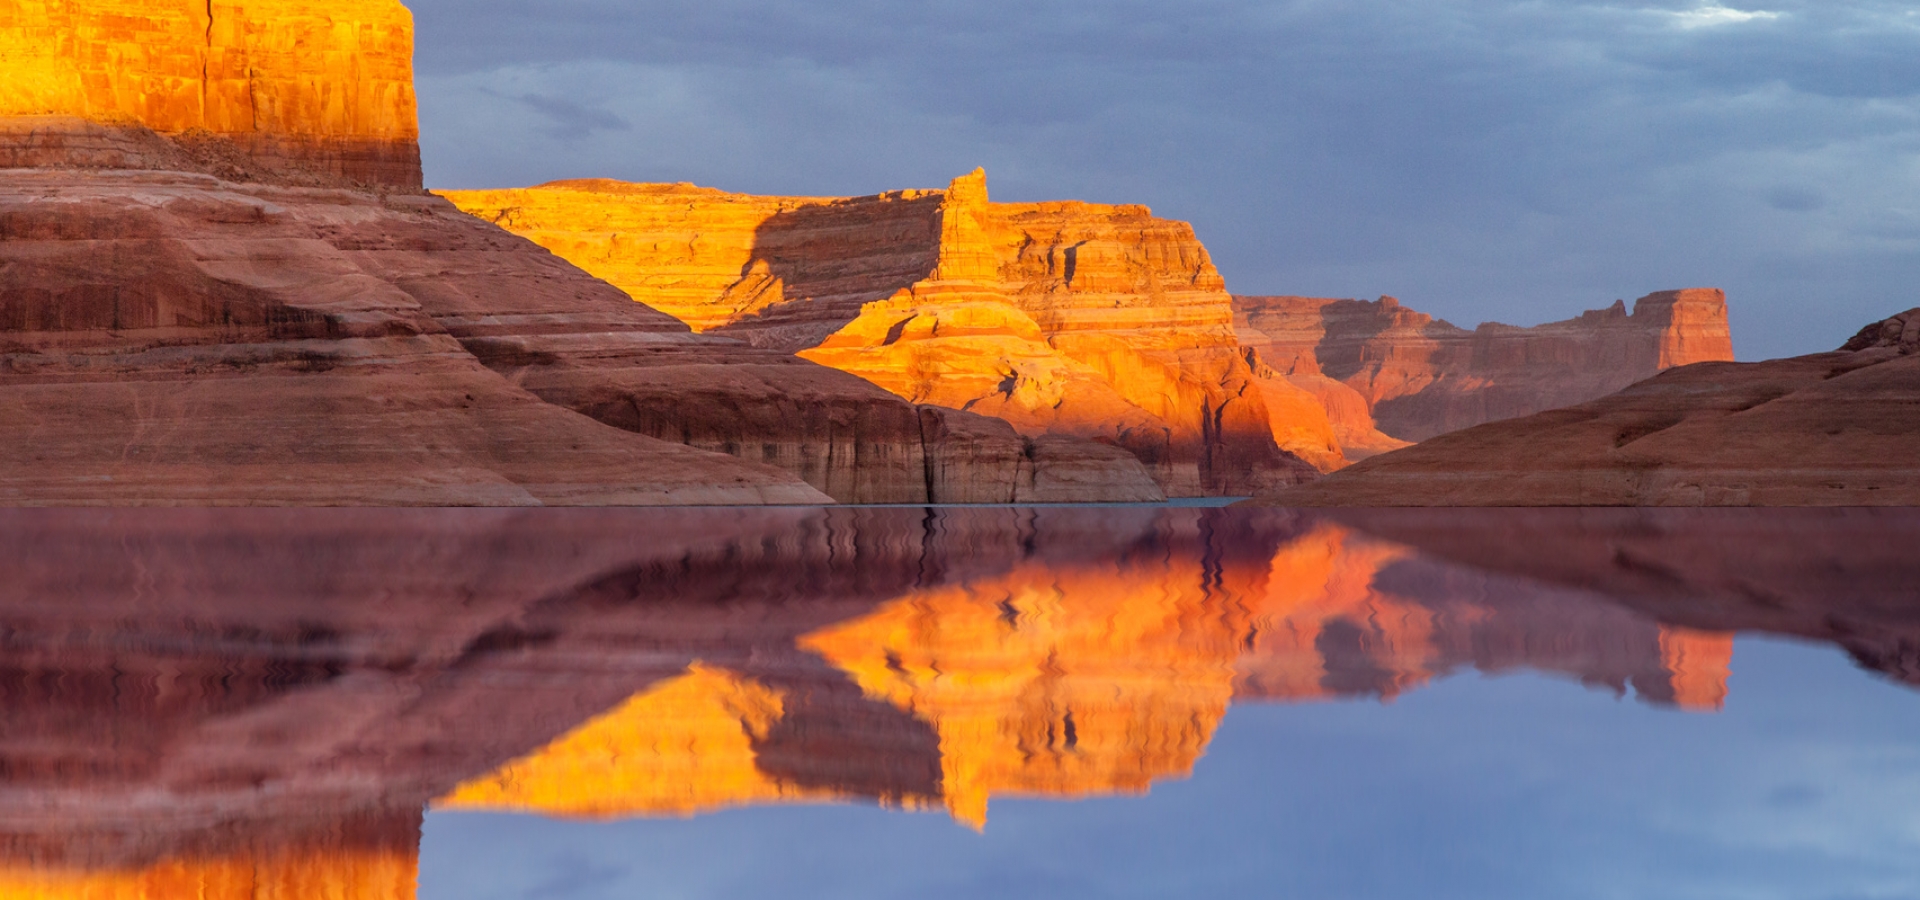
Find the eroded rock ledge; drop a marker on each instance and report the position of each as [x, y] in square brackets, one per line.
[1068, 320]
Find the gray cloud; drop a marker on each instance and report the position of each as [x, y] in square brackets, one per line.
[570, 120]
[1477, 158]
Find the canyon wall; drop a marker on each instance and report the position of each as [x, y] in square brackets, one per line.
[1828, 429]
[202, 302]
[168, 338]
[1064, 319]
[1417, 377]
[301, 84]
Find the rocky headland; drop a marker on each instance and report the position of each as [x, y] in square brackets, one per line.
[1829, 429]
[1379, 365]
[1067, 320]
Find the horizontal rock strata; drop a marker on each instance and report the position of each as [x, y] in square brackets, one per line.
[1064, 319]
[1830, 429]
[291, 84]
[1416, 377]
[175, 339]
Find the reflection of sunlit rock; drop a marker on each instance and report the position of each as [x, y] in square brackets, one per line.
[363, 861]
[1058, 683]
[681, 747]
[1699, 663]
[1073, 677]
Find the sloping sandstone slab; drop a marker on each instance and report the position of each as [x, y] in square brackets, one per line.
[176, 339]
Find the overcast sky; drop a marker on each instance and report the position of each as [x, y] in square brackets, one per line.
[1479, 159]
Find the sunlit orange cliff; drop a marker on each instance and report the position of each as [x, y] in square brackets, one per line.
[220, 284]
[1064, 319]
[290, 83]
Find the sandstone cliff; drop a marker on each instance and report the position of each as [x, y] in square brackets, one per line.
[326, 86]
[175, 339]
[1064, 319]
[200, 303]
[1415, 377]
[1830, 429]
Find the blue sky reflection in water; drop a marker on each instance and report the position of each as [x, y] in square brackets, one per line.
[1516, 785]
[229, 703]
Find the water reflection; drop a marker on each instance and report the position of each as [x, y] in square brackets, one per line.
[260, 704]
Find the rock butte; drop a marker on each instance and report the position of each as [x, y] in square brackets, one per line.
[324, 85]
[1379, 364]
[195, 313]
[1830, 429]
[1064, 319]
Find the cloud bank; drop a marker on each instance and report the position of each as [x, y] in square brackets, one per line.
[1513, 161]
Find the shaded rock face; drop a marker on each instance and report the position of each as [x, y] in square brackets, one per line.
[324, 87]
[1064, 319]
[1417, 377]
[176, 339]
[1830, 429]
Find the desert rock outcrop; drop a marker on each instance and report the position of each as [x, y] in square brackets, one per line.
[174, 339]
[1064, 319]
[1413, 377]
[220, 285]
[302, 84]
[1830, 429]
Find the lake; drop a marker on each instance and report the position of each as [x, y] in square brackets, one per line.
[960, 702]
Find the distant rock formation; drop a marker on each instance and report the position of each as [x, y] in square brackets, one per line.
[1830, 429]
[1416, 377]
[319, 85]
[1064, 319]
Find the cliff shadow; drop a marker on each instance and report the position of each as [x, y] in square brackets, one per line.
[814, 267]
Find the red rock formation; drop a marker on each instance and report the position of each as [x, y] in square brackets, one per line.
[1831, 429]
[301, 84]
[1065, 319]
[1417, 377]
[174, 339]
[170, 337]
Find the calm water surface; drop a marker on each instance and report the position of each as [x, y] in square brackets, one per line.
[1059, 702]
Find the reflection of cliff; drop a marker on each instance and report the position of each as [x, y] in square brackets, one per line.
[1069, 677]
[360, 860]
[1069, 319]
[250, 703]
